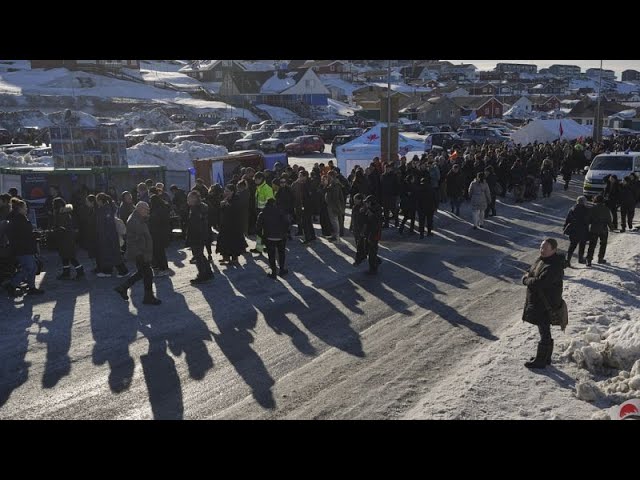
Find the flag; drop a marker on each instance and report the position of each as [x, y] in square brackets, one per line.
[561, 131]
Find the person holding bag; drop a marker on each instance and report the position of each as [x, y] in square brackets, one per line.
[544, 298]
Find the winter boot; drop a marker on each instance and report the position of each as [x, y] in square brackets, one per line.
[582, 260]
[549, 352]
[540, 360]
[79, 272]
[66, 274]
[149, 299]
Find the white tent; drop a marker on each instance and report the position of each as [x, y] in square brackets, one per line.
[362, 150]
[549, 130]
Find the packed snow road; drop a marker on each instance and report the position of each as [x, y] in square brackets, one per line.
[327, 341]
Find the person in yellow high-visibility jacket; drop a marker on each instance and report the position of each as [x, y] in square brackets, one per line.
[263, 193]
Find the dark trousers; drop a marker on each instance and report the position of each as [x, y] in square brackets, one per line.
[390, 205]
[159, 256]
[204, 269]
[573, 243]
[593, 240]
[491, 207]
[626, 215]
[27, 271]
[69, 260]
[272, 246]
[614, 213]
[144, 272]
[121, 268]
[455, 204]
[299, 220]
[411, 216]
[307, 225]
[372, 251]
[421, 217]
[544, 327]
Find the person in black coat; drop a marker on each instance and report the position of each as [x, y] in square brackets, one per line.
[546, 180]
[492, 180]
[544, 286]
[426, 205]
[455, 188]
[108, 253]
[371, 233]
[627, 204]
[198, 235]
[126, 207]
[285, 200]
[160, 228]
[390, 189]
[65, 238]
[231, 241]
[88, 228]
[407, 204]
[566, 171]
[273, 226]
[179, 204]
[612, 199]
[23, 247]
[576, 226]
[600, 219]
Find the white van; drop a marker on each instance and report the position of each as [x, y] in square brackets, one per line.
[619, 164]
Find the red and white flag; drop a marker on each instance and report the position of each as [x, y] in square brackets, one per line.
[561, 131]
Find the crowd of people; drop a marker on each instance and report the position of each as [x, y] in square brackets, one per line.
[274, 205]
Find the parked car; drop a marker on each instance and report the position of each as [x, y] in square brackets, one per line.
[305, 144]
[41, 152]
[251, 140]
[446, 141]
[269, 125]
[5, 135]
[165, 136]
[228, 125]
[426, 129]
[340, 140]
[278, 140]
[329, 130]
[228, 139]
[287, 126]
[483, 135]
[194, 137]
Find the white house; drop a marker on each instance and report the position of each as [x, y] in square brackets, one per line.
[524, 104]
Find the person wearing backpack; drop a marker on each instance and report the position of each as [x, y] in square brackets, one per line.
[65, 238]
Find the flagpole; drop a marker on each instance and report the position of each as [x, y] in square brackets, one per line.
[388, 110]
[597, 126]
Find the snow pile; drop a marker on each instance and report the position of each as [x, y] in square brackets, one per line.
[341, 108]
[280, 114]
[24, 118]
[156, 119]
[24, 161]
[179, 157]
[78, 119]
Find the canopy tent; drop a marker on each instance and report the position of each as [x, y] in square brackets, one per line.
[542, 131]
[362, 150]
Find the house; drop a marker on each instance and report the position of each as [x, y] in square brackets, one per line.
[631, 76]
[483, 89]
[545, 103]
[516, 67]
[565, 70]
[584, 112]
[211, 70]
[292, 90]
[368, 97]
[523, 103]
[606, 74]
[464, 71]
[487, 106]
[339, 89]
[88, 65]
[458, 92]
[434, 111]
[547, 89]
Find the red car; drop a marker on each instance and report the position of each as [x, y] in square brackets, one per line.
[305, 144]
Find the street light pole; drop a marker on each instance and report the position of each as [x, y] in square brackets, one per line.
[597, 127]
[389, 111]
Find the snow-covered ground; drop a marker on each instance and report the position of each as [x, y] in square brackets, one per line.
[341, 108]
[596, 361]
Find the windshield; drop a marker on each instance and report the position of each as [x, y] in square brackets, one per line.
[612, 162]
